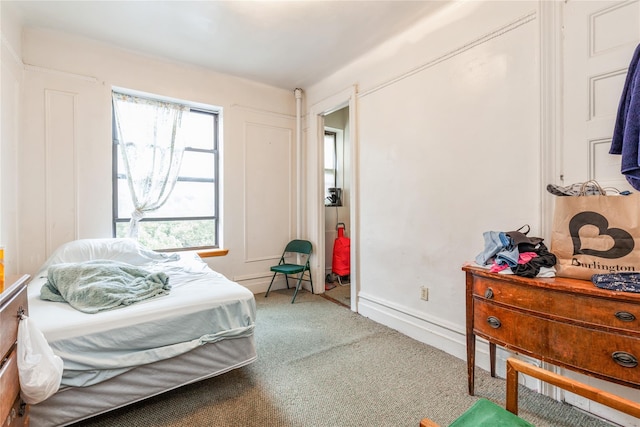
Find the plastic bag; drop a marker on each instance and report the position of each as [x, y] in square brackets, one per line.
[39, 370]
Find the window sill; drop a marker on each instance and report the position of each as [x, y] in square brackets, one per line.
[212, 253]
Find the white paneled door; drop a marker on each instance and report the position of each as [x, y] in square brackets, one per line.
[599, 40]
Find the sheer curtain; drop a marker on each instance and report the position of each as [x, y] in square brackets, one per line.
[151, 145]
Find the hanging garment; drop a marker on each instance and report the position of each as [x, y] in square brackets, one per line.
[626, 133]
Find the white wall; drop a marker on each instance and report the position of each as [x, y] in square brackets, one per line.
[65, 152]
[449, 147]
[11, 82]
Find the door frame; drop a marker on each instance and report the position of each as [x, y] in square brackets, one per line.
[315, 137]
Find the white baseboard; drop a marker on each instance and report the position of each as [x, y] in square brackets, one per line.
[435, 332]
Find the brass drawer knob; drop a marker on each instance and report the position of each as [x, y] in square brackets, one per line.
[494, 322]
[624, 359]
[488, 294]
[625, 316]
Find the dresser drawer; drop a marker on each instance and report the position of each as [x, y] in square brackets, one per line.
[606, 313]
[596, 352]
[591, 351]
[9, 383]
[511, 329]
[9, 320]
[18, 415]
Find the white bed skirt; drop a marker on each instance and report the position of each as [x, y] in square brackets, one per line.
[74, 404]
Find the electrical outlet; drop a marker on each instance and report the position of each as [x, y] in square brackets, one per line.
[424, 293]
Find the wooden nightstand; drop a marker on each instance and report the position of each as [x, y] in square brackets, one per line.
[13, 302]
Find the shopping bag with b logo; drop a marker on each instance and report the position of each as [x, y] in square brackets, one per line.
[596, 234]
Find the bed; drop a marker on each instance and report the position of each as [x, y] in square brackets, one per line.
[202, 327]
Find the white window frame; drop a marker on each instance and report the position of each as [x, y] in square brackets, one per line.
[216, 112]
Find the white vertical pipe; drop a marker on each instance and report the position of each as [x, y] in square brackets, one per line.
[298, 94]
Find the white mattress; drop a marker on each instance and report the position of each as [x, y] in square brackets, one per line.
[202, 307]
[74, 404]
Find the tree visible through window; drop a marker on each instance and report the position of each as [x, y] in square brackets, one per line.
[171, 152]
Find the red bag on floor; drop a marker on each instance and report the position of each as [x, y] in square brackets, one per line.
[341, 264]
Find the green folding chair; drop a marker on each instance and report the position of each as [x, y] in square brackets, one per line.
[301, 248]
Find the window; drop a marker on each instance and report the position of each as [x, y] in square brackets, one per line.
[330, 164]
[185, 216]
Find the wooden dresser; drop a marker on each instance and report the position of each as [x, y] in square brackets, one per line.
[566, 322]
[13, 302]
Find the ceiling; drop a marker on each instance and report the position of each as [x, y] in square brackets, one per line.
[287, 44]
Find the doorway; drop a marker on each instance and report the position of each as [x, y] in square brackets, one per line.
[316, 217]
[337, 192]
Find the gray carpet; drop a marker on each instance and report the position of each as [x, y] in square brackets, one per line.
[365, 374]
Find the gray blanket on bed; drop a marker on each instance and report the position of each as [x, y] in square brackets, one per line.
[98, 285]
